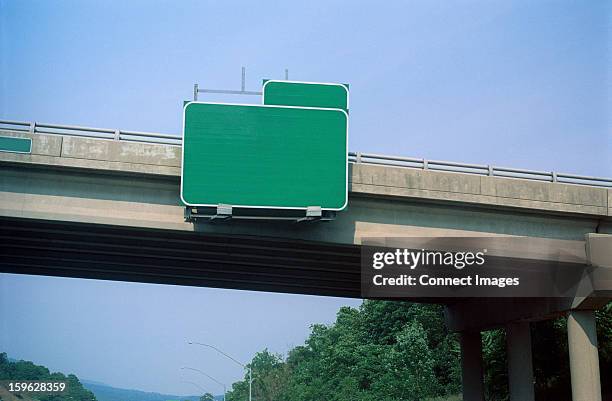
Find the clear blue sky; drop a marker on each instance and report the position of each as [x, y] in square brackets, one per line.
[514, 83]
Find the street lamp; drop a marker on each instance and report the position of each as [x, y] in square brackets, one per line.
[235, 361]
[210, 377]
[197, 385]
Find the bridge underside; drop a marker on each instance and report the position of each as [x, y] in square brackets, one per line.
[178, 257]
[230, 261]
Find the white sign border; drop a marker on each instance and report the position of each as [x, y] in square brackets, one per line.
[266, 207]
[263, 91]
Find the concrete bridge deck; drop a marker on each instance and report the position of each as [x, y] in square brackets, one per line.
[140, 183]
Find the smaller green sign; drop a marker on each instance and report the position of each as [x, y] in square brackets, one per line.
[305, 94]
[15, 144]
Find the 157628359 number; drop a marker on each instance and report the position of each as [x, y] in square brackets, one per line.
[34, 386]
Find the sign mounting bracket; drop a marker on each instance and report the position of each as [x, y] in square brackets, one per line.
[242, 91]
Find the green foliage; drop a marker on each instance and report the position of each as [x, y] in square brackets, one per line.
[604, 333]
[392, 351]
[24, 370]
[604, 338]
[550, 358]
[383, 351]
[495, 365]
[414, 364]
[207, 397]
[270, 375]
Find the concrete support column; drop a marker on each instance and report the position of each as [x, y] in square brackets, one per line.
[584, 360]
[520, 364]
[471, 366]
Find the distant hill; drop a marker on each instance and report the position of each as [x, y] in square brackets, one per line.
[11, 369]
[104, 392]
[79, 390]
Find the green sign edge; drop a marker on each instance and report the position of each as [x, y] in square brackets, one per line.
[17, 138]
[267, 81]
[187, 104]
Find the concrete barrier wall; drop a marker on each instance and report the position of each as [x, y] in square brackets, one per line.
[365, 179]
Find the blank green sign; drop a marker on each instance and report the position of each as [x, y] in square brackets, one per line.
[264, 156]
[14, 144]
[305, 94]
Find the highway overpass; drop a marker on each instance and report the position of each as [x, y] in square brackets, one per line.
[78, 206]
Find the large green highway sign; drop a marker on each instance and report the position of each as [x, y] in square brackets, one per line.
[306, 94]
[264, 156]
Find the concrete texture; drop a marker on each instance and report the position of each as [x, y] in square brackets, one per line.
[520, 364]
[45, 145]
[479, 190]
[121, 151]
[599, 250]
[102, 155]
[365, 179]
[49, 192]
[584, 359]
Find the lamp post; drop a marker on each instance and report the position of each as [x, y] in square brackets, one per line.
[197, 385]
[210, 377]
[235, 361]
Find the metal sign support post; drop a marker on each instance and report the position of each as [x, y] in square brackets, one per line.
[242, 91]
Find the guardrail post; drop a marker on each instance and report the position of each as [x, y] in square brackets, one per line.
[117, 135]
[425, 167]
[195, 92]
[243, 83]
[490, 171]
[32, 127]
[554, 176]
[358, 157]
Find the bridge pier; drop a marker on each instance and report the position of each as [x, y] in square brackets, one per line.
[471, 366]
[584, 360]
[520, 364]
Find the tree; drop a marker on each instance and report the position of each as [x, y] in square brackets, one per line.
[383, 351]
[207, 397]
[495, 365]
[412, 365]
[270, 376]
[392, 351]
[25, 370]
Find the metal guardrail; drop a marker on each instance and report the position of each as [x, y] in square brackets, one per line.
[479, 169]
[354, 157]
[100, 133]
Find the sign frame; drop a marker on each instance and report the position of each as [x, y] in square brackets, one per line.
[346, 169]
[263, 89]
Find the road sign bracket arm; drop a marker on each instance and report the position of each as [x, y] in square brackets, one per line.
[226, 213]
[312, 213]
